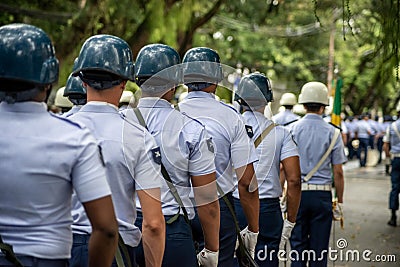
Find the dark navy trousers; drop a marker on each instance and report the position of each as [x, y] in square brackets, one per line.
[80, 255]
[312, 229]
[28, 261]
[270, 230]
[227, 234]
[395, 179]
[179, 245]
[364, 142]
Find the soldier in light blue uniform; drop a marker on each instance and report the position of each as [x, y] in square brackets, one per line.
[43, 158]
[233, 148]
[391, 147]
[187, 154]
[76, 93]
[351, 125]
[130, 154]
[363, 131]
[313, 136]
[286, 117]
[254, 93]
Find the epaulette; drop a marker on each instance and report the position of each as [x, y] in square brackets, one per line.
[131, 122]
[184, 113]
[196, 120]
[67, 119]
[336, 126]
[229, 106]
[290, 122]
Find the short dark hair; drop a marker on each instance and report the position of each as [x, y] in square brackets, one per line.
[313, 107]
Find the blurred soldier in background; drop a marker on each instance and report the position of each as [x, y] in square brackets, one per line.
[286, 117]
[43, 158]
[321, 151]
[392, 150]
[76, 93]
[127, 99]
[274, 145]
[130, 154]
[231, 142]
[363, 131]
[62, 102]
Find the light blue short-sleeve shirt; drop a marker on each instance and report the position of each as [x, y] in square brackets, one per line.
[128, 151]
[313, 136]
[43, 159]
[186, 149]
[232, 146]
[362, 129]
[285, 116]
[392, 137]
[275, 147]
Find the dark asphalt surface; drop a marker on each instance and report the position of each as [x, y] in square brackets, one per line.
[366, 239]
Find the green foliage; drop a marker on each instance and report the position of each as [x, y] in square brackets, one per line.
[288, 40]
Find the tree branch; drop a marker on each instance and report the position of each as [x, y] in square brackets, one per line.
[187, 38]
[46, 15]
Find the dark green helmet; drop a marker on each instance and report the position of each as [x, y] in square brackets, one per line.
[160, 62]
[75, 91]
[105, 54]
[255, 90]
[201, 65]
[27, 55]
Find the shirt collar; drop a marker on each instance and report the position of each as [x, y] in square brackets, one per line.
[153, 102]
[26, 106]
[313, 116]
[98, 106]
[101, 103]
[199, 94]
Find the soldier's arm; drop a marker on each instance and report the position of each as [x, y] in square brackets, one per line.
[291, 167]
[153, 229]
[248, 193]
[339, 181]
[205, 193]
[104, 238]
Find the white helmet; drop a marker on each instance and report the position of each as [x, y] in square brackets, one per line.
[398, 106]
[299, 109]
[127, 97]
[288, 99]
[314, 92]
[61, 100]
[182, 96]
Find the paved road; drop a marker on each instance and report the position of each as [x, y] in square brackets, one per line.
[366, 215]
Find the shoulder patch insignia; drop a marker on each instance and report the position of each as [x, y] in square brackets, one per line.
[249, 131]
[156, 153]
[210, 145]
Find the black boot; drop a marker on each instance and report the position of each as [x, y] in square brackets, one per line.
[392, 221]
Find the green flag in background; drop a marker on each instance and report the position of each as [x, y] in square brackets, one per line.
[337, 103]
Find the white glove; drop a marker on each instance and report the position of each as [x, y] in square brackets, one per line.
[282, 202]
[286, 233]
[207, 258]
[338, 211]
[249, 240]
